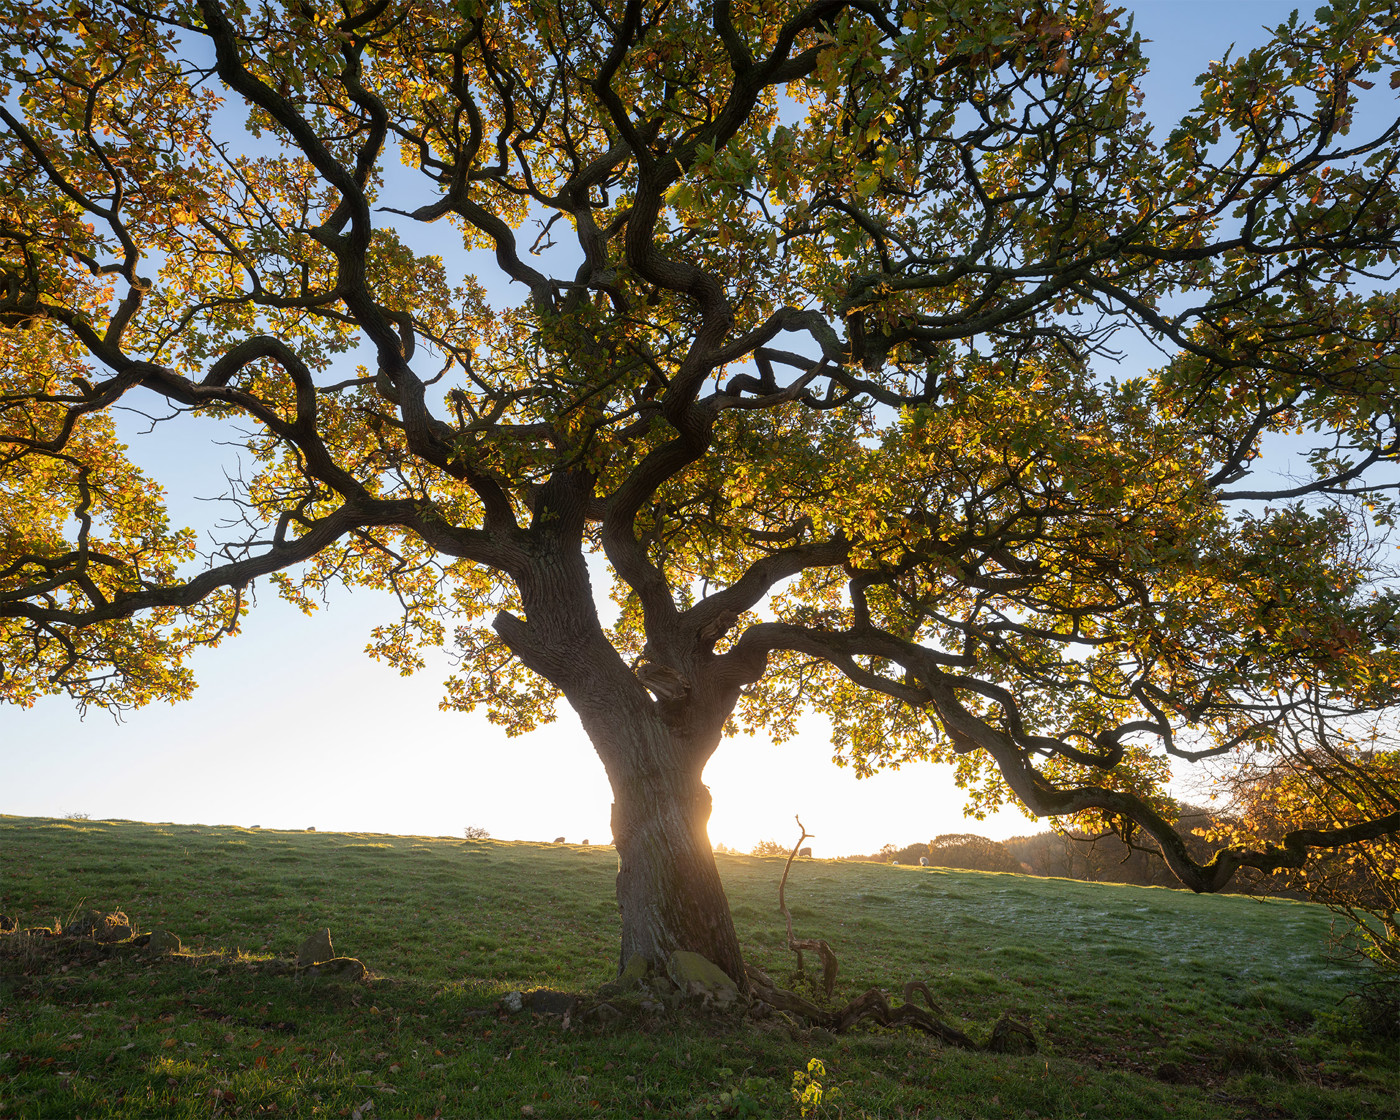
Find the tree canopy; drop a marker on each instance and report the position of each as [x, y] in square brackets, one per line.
[810, 353]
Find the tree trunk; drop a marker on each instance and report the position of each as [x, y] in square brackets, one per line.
[668, 887]
[654, 751]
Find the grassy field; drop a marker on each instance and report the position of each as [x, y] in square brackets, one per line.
[1146, 1002]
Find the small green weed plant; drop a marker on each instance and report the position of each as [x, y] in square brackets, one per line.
[813, 1098]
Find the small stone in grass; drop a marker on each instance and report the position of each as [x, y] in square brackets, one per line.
[162, 941]
[316, 948]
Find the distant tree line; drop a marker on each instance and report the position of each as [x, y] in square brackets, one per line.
[955, 849]
[1075, 854]
[762, 848]
[1343, 880]
[1112, 858]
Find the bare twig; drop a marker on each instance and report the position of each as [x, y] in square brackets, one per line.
[815, 945]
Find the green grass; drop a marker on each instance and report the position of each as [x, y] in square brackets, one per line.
[1239, 995]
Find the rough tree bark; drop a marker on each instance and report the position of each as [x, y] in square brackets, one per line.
[668, 887]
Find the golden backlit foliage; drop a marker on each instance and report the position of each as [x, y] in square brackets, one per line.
[791, 325]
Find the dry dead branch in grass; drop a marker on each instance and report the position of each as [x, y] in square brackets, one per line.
[1008, 1035]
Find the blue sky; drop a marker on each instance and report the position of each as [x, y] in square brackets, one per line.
[294, 726]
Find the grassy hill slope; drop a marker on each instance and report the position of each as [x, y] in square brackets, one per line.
[1147, 1002]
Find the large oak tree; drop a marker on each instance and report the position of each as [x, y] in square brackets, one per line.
[807, 348]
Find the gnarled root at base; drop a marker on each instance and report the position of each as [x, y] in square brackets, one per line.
[650, 992]
[1008, 1035]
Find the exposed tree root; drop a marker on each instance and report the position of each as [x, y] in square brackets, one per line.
[1008, 1035]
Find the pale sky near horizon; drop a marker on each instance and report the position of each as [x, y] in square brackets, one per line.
[293, 726]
